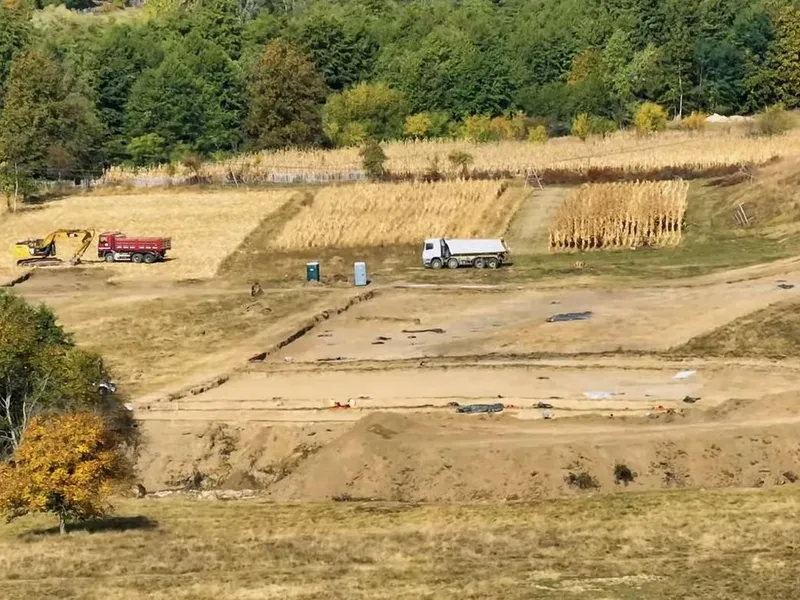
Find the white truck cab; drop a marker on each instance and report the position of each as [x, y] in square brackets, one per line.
[454, 253]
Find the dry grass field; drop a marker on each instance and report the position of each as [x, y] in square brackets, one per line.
[156, 334]
[770, 197]
[620, 215]
[158, 342]
[204, 226]
[624, 151]
[772, 332]
[682, 544]
[364, 215]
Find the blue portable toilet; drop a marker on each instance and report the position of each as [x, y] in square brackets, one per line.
[360, 273]
[312, 271]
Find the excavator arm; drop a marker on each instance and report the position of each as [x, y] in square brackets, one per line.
[88, 236]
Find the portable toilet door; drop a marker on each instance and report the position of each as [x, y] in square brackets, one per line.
[312, 271]
[360, 273]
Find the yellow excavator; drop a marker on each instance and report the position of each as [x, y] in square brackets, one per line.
[42, 252]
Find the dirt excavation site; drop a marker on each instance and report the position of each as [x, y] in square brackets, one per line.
[364, 404]
[625, 370]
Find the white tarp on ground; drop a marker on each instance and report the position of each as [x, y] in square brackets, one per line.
[475, 246]
[598, 395]
[684, 374]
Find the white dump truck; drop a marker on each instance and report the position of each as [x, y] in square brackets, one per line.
[441, 252]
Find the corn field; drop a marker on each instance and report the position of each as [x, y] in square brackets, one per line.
[620, 215]
[364, 215]
[622, 151]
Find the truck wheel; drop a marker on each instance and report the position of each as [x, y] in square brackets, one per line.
[109, 257]
[478, 263]
[137, 258]
[493, 263]
[452, 263]
[149, 258]
[436, 263]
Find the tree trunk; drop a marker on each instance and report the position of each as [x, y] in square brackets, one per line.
[16, 187]
[62, 524]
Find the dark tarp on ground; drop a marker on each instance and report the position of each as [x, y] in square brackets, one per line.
[481, 408]
[579, 316]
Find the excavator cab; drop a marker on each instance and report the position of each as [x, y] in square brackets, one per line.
[32, 248]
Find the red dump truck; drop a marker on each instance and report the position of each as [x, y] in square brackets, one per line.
[114, 246]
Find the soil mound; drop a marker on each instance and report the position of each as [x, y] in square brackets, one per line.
[494, 458]
[220, 455]
[376, 459]
[430, 457]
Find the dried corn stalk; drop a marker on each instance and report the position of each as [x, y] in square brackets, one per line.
[377, 214]
[623, 152]
[620, 215]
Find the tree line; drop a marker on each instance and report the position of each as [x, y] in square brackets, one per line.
[202, 78]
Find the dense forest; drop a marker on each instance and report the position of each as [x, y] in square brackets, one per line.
[203, 78]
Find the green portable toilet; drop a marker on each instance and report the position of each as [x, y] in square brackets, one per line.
[312, 271]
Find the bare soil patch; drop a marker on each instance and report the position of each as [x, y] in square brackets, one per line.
[514, 321]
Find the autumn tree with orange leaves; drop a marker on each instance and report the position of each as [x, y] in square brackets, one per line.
[66, 465]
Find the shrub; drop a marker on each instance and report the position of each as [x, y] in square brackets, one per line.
[601, 126]
[623, 474]
[147, 149]
[773, 121]
[380, 111]
[581, 126]
[440, 124]
[582, 481]
[429, 125]
[538, 134]
[477, 128]
[352, 134]
[461, 160]
[694, 122]
[650, 118]
[373, 159]
[508, 128]
[418, 125]
[501, 128]
[194, 163]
